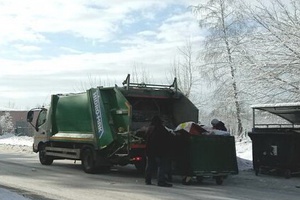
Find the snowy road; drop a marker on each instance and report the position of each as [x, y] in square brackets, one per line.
[65, 180]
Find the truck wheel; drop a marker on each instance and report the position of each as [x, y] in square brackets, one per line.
[219, 180]
[199, 179]
[87, 161]
[140, 166]
[44, 159]
[287, 174]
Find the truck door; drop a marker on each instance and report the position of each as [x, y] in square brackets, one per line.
[37, 118]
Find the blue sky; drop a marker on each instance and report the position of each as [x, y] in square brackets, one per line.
[56, 46]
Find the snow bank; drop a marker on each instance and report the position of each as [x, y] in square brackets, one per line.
[244, 154]
[11, 143]
[11, 139]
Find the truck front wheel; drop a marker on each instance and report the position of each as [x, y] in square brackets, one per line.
[44, 159]
[87, 161]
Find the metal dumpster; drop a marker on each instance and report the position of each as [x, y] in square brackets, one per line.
[213, 155]
[204, 156]
[276, 146]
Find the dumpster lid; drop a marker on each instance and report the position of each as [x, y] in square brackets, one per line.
[288, 111]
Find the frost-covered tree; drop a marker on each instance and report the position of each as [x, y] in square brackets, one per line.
[226, 29]
[274, 67]
[6, 123]
[185, 68]
[93, 81]
[140, 74]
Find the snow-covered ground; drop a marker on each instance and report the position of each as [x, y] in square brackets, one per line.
[14, 143]
[23, 144]
[244, 154]
[11, 139]
[8, 195]
[11, 143]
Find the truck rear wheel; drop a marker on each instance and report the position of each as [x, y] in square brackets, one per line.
[44, 159]
[87, 161]
[287, 174]
[140, 166]
[219, 180]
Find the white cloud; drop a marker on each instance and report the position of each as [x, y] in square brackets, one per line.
[50, 62]
[70, 50]
[146, 33]
[27, 48]
[25, 20]
[179, 28]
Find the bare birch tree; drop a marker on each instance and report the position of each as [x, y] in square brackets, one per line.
[93, 81]
[185, 68]
[226, 30]
[140, 74]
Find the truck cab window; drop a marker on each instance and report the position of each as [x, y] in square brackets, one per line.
[41, 118]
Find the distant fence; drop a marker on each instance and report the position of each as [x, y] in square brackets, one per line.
[28, 131]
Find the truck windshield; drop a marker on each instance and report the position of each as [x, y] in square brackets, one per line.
[41, 118]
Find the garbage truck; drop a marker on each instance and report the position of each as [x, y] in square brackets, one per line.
[106, 126]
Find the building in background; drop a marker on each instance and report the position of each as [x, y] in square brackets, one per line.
[17, 123]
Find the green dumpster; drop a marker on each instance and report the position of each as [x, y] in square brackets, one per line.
[276, 138]
[213, 155]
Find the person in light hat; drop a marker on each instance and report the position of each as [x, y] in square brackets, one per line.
[218, 125]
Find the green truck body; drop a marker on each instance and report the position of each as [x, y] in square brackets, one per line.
[105, 126]
[93, 117]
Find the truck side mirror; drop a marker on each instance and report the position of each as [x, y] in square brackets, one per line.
[30, 116]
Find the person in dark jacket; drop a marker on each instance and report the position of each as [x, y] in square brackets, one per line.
[219, 125]
[157, 151]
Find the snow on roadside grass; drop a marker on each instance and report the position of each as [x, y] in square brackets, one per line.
[10, 142]
[11, 139]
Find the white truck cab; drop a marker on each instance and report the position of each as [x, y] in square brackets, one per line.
[38, 118]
